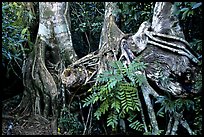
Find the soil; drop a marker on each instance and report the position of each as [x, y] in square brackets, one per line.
[25, 125]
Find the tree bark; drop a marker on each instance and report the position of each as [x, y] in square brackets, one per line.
[94, 63]
[160, 43]
[53, 50]
[167, 54]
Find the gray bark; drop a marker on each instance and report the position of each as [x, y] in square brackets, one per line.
[160, 43]
[53, 50]
[165, 59]
[55, 28]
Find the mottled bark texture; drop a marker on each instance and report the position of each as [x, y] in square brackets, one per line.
[53, 50]
[159, 43]
[85, 70]
[162, 45]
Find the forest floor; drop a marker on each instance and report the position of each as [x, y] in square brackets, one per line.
[27, 125]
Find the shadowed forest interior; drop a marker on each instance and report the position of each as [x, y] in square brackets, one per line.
[101, 68]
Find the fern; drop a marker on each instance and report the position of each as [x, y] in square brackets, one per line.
[91, 99]
[116, 105]
[116, 92]
[171, 106]
[112, 120]
[137, 125]
[128, 97]
[102, 109]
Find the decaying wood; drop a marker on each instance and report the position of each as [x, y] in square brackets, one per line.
[160, 43]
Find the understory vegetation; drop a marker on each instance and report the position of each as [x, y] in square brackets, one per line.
[114, 105]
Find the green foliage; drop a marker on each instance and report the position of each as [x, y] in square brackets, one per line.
[198, 82]
[112, 120]
[188, 10]
[69, 121]
[117, 93]
[171, 106]
[15, 34]
[196, 45]
[86, 24]
[197, 122]
[133, 14]
[136, 125]
[190, 16]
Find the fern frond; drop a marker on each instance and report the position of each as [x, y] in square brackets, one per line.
[137, 125]
[136, 66]
[126, 86]
[135, 100]
[118, 65]
[104, 90]
[112, 120]
[131, 117]
[111, 84]
[104, 77]
[91, 99]
[126, 102]
[116, 90]
[102, 109]
[140, 79]
[115, 105]
[128, 97]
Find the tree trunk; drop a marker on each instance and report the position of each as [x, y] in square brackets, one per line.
[160, 43]
[53, 50]
[96, 62]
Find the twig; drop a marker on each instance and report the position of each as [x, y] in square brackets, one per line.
[87, 120]
[142, 114]
[81, 22]
[175, 127]
[169, 126]
[98, 11]
[185, 125]
[90, 120]
[82, 116]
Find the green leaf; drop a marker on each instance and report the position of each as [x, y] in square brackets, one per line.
[116, 105]
[112, 84]
[184, 14]
[184, 9]
[160, 112]
[130, 119]
[91, 99]
[137, 125]
[102, 109]
[112, 120]
[197, 5]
